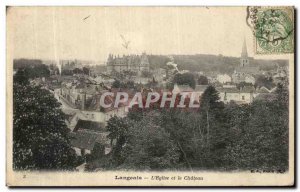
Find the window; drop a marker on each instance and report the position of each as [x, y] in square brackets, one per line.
[243, 97]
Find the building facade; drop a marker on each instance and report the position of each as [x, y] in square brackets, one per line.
[136, 63]
[223, 78]
[245, 69]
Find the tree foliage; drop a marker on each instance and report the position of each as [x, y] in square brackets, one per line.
[35, 71]
[118, 128]
[264, 81]
[216, 137]
[124, 85]
[202, 80]
[184, 79]
[39, 131]
[149, 147]
[263, 141]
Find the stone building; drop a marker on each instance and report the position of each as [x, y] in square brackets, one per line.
[245, 69]
[136, 63]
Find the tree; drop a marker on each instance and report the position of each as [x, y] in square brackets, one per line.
[184, 79]
[184, 128]
[282, 96]
[37, 71]
[40, 138]
[77, 71]
[86, 70]
[118, 129]
[30, 72]
[202, 80]
[21, 77]
[129, 85]
[147, 74]
[116, 84]
[23, 63]
[243, 84]
[263, 142]
[215, 126]
[149, 147]
[66, 72]
[209, 104]
[119, 84]
[264, 81]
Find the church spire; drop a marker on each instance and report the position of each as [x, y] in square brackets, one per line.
[244, 50]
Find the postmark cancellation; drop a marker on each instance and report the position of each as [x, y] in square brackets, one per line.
[273, 29]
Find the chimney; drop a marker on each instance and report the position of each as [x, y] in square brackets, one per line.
[83, 101]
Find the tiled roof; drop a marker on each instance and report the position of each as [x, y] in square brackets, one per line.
[89, 125]
[247, 89]
[95, 103]
[201, 88]
[90, 89]
[227, 89]
[247, 69]
[80, 86]
[185, 88]
[87, 140]
[263, 90]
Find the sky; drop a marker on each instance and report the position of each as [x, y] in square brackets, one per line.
[66, 33]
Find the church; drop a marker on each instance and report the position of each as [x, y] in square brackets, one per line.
[245, 70]
[135, 63]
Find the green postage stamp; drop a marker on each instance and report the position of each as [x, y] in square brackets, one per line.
[273, 29]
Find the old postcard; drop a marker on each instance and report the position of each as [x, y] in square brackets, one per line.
[150, 96]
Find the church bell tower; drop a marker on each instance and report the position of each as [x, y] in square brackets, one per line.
[244, 56]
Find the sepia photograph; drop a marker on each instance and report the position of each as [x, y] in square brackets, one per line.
[150, 96]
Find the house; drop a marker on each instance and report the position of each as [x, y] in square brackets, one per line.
[212, 79]
[244, 95]
[249, 79]
[199, 73]
[261, 91]
[89, 136]
[81, 168]
[223, 78]
[95, 112]
[85, 142]
[229, 85]
[280, 76]
[99, 79]
[73, 116]
[142, 80]
[181, 88]
[80, 92]
[159, 74]
[240, 96]
[89, 126]
[184, 71]
[194, 94]
[243, 77]
[97, 69]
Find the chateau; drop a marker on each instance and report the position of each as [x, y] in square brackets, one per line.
[134, 63]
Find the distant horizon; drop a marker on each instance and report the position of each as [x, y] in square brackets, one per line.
[101, 62]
